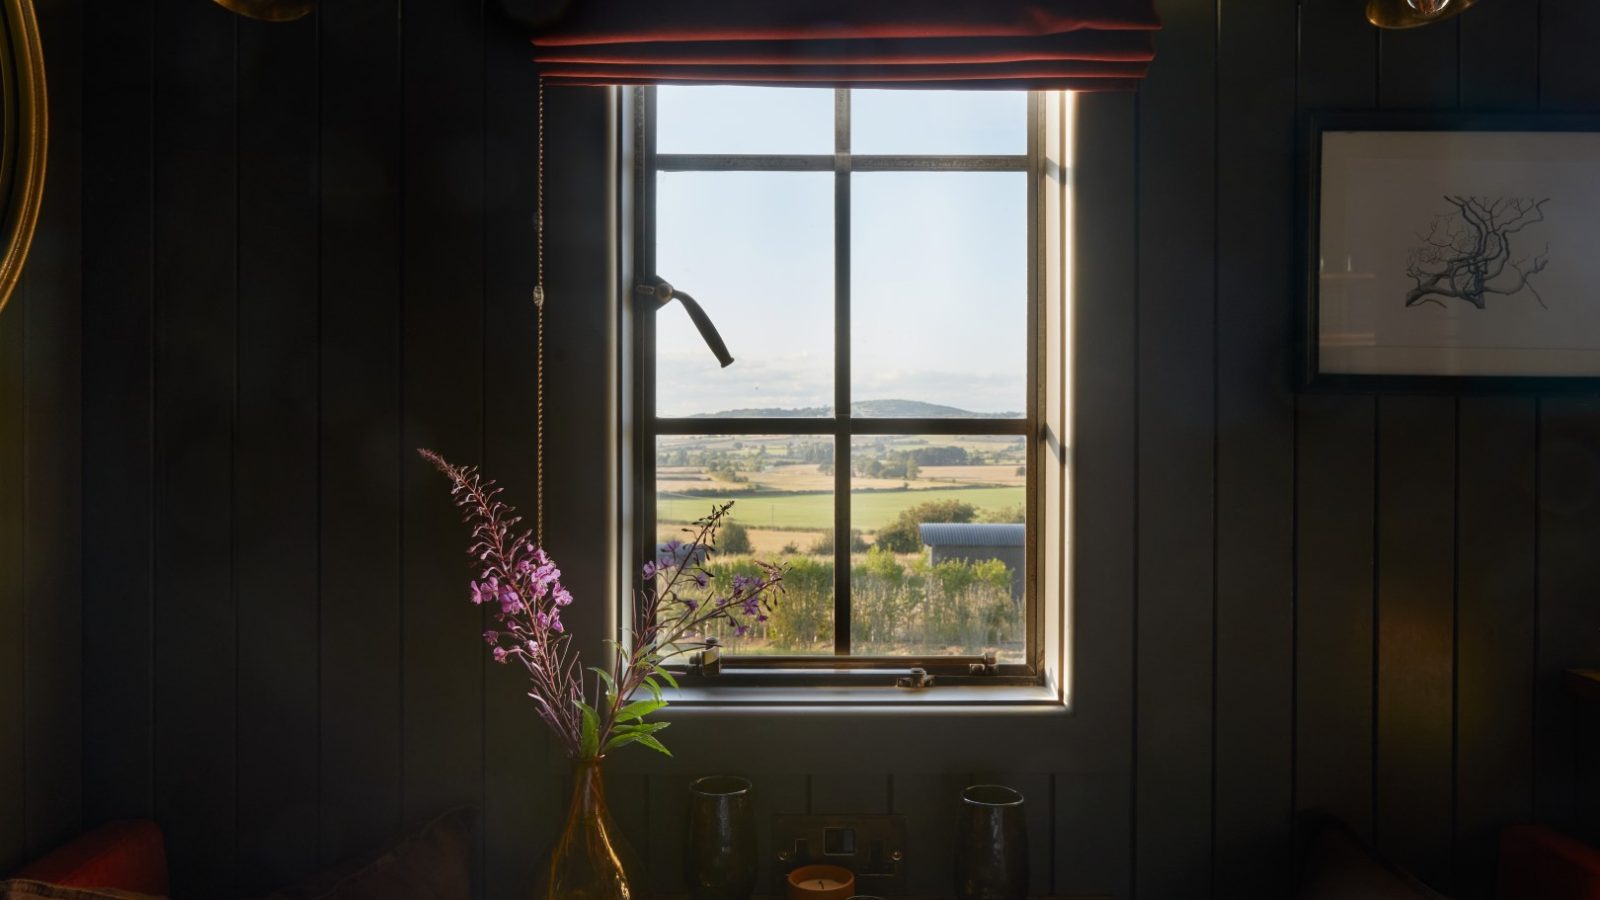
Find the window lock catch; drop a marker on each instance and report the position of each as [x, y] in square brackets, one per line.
[707, 661]
[917, 680]
[989, 666]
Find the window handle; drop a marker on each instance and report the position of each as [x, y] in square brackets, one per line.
[664, 293]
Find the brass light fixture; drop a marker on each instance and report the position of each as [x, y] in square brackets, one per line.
[1414, 13]
[270, 10]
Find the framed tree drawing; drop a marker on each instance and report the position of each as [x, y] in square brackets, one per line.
[1452, 252]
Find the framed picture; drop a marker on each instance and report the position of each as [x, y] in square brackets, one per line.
[1453, 252]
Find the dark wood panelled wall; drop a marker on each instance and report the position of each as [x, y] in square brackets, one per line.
[306, 250]
[41, 571]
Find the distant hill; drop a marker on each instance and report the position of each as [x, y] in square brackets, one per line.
[866, 409]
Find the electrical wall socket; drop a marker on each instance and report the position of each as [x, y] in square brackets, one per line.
[871, 846]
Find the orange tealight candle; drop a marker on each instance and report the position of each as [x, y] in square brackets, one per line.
[821, 883]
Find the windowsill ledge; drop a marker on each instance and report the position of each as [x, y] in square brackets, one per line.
[874, 699]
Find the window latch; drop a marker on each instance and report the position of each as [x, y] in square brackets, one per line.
[989, 666]
[707, 661]
[917, 680]
[663, 293]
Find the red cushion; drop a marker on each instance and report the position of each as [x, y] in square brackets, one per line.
[127, 856]
[1537, 863]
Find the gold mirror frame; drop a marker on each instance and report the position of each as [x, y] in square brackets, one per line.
[270, 10]
[25, 109]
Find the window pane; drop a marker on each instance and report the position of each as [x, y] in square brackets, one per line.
[782, 490]
[939, 122]
[939, 294]
[941, 557]
[756, 250]
[743, 120]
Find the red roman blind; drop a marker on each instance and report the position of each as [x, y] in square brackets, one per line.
[1083, 45]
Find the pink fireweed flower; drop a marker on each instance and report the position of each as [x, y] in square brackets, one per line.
[500, 655]
[491, 637]
[563, 597]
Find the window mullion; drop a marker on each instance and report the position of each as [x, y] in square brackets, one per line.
[841, 373]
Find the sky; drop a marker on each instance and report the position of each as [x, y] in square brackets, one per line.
[939, 274]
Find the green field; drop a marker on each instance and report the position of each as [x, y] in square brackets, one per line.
[814, 512]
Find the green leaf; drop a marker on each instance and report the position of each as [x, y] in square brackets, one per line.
[667, 677]
[652, 687]
[648, 741]
[639, 709]
[642, 728]
[589, 745]
[611, 683]
[629, 734]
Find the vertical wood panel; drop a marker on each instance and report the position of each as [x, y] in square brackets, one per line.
[118, 410]
[516, 747]
[13, 620]
[361, 452]
[1334, 622]
[1569, 568]
[1416, 624]
[196, 629]
[1418, 67]
[1500, 56]
[443, 390]
[276, 456]
[668, 802]
[1496, 624]
[53, 543]
[929, 803]
[1255, 452]
[1568, 77]
[1335, 468]
[1093, 817]
[1176, 453]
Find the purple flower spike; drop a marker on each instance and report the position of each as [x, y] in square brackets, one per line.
[563, 597]
[741, 631]
[702, 580]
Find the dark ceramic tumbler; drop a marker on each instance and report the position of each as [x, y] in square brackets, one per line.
[991, 845]
[720, 847]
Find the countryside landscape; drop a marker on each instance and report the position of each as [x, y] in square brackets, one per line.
[904, 601]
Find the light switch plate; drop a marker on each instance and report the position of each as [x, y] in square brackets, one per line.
[872, 846]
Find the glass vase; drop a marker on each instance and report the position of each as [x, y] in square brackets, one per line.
[720, 845]
[991, 845]
[590, 859]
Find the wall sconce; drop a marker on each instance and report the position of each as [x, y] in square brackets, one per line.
[1413, 13]
[270, 10]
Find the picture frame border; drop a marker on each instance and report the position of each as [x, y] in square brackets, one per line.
[1314, 124]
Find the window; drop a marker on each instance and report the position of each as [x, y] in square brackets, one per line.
[873, 259]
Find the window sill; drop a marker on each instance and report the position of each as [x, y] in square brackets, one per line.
[966, 699]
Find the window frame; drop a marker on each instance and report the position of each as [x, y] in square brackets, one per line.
[637, 266]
